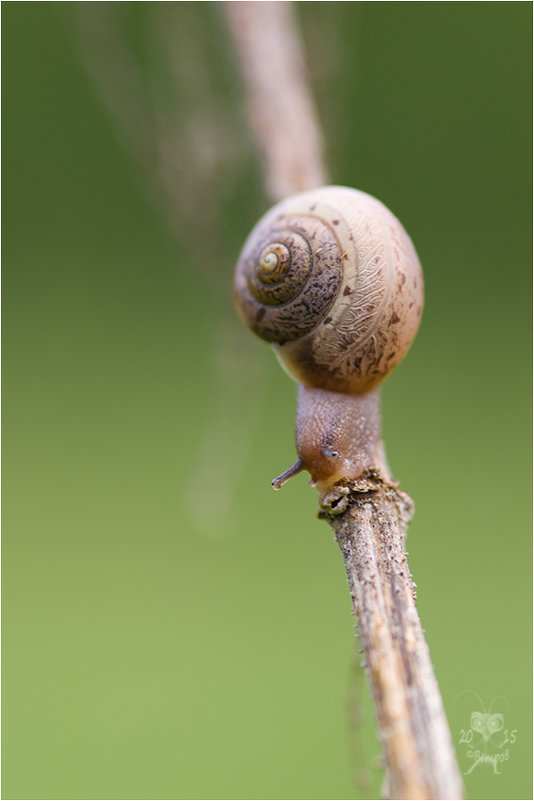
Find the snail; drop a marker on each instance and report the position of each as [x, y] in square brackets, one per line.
[331, 278]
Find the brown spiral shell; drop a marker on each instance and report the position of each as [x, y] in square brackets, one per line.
[332, 279]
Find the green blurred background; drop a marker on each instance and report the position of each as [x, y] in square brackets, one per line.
[173, 628]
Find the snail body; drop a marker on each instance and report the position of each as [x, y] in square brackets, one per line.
[331, 278]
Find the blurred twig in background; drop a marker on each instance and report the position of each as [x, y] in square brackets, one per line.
[177, 118]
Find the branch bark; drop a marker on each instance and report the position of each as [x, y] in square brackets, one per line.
[369, 516]
[281, 111]
[419, 756]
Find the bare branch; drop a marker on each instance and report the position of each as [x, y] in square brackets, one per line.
[369, 516]
[418, 750]
[281, 110]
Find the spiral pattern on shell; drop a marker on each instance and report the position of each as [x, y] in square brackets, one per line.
[331, 278]
[285, 282]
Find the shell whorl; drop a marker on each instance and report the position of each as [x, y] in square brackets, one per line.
[288, 277]
[331, 278]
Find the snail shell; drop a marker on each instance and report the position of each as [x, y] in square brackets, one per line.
[331, 278]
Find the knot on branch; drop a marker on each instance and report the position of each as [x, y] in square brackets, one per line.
[335, 502]
[369, 487]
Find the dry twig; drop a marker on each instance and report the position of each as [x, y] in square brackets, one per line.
[281, 111]
[369, 516]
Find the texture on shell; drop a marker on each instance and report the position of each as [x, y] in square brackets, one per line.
[332, 279]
